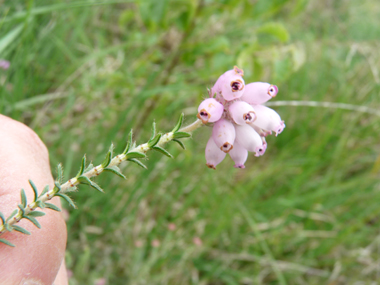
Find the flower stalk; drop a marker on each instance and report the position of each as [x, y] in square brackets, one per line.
[131, 153]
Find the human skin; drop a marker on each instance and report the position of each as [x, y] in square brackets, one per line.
[38, 258]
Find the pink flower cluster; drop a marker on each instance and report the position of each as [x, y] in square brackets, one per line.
[241, 122]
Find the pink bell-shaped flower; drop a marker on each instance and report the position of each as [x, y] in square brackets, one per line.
[239, 155]
[210, 111]
[261, 132]
[268, 119]
[242, 113]
[214, 155]
[257, 93]
[262, 151]
[248, 138]
[230, 84]
[223, 134]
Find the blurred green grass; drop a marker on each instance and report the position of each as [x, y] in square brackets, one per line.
[83, 73]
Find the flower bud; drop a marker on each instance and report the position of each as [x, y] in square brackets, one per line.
[230, 84]
[214, 155]
[210, 111]
[248, 138]
[262, 151]
[259, 92]
[223, 134]
[239, 155]
[268, 119]
[242, 113]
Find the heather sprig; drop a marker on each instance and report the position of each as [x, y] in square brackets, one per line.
[241, 122]
[131, 153]
[240, 125]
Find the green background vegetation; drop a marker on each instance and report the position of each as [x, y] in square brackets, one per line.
[83, 73]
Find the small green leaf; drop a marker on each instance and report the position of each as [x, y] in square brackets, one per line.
[52, 207]
[154, 141]
[34, 189]
[126, 149]
[138, 162]
[275, 29]
[135, 154]
[21, 209]
[87, 181]
[11, 215]
[163, 151]
[129, 142]
[153, 130]
[8, 227]
[2, 217]
[20, 229]
[116, 170]
[33, 220]
[82, 166]
[68, 200]
[180, 143]
[7, 242]
[59, 173]
[179, 135]
[40, 204]
[36, 214]
[84, 180]
[89, 167]
[96, 186]
[179, 124]
[108, 158]
[57, 187]
[46, 189]
[23, 198]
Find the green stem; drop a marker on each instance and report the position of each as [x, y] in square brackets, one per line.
[94, 171]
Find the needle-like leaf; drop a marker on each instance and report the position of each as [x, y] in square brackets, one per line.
[179, 124]
[34, 190]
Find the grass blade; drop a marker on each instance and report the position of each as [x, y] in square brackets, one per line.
[62, 6]
[10, 37]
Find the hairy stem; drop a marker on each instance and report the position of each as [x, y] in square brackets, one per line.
[60, 189]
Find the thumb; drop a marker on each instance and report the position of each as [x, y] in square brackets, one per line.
[37, 258]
